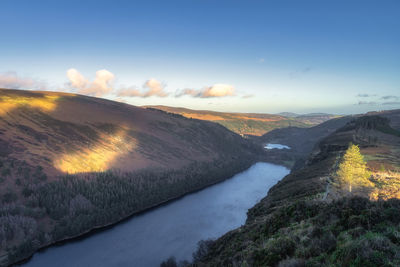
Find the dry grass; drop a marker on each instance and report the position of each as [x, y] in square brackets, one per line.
[386, 185]
[46, 103]
[98, 158]
[205, 117]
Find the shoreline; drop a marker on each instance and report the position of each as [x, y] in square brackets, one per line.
[101, 228]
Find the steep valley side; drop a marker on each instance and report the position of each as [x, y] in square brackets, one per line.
[71, 163]
[310, 219]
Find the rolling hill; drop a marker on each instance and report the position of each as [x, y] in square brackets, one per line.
[71, 163]
[67, 133]
[254, 124]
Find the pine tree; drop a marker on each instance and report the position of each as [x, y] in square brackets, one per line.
[353, 170]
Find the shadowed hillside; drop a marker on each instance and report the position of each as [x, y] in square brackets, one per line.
[70, 163]
[302, 140]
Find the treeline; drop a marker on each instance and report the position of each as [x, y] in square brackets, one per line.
[76, 204]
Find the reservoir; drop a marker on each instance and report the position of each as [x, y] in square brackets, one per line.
[276, 146]
[169, 230]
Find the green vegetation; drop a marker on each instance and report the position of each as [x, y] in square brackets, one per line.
[353, 170]
[305, 221]
[348, 232]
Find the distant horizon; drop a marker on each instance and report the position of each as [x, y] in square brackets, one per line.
[211, 110]
[340, 57]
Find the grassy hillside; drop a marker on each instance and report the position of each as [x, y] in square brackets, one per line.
[249, 123]
[310, 219]
[70, 163]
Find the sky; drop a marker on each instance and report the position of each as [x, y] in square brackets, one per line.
[246, 56]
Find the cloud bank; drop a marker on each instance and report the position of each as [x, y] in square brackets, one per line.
[391, 100]
[103, 84]
[100, 86]
[217, 90]
[11, 80]
[370, 103]
[390, 97]
[394, 103]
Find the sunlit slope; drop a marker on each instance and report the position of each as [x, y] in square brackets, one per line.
[67, 133]
[241, 123]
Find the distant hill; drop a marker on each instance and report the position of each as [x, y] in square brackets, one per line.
[255, 124]
[302, 140]
[70, 163]
[66, 133]
[288, 114]
[310, 118]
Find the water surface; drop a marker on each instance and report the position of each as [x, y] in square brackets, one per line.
[276, 146]
[172, 229]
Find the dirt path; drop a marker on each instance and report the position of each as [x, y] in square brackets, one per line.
[329, 178]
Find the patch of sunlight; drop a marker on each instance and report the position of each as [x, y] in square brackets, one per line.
[97, 158]
[259, 119]
[46, 103]
[207, 117]
[387, 185]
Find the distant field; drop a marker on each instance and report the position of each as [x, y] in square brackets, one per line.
[255, 124]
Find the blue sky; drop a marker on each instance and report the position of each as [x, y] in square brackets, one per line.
[266, 56]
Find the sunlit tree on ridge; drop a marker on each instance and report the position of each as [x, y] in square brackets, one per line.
[353, 169]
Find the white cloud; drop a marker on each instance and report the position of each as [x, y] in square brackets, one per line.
[11, 80]
[76, 79]
[99, 87]
[217, 90]
[152, 87]
[129, 92]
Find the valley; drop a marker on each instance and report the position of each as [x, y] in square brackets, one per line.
[70, 164]
[199, 133]
[175, 228]
[65, 173]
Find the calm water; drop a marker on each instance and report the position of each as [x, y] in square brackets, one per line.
[172, 229]
[276, 146]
